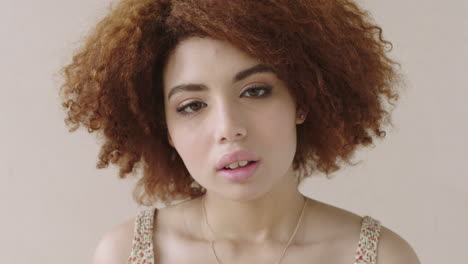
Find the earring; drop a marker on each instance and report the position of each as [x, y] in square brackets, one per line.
[302, 116]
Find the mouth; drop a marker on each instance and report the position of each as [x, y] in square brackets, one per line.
[236, 156]
[240, 174]
[249, 163]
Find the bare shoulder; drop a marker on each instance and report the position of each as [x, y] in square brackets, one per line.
[115, 245]
[392, 248]
[333, 223]
[344, 227]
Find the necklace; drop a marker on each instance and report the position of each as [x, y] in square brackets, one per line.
[287, 245]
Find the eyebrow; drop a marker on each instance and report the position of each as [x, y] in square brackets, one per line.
[238, 77]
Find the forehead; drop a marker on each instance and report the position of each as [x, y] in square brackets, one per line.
[197, 59]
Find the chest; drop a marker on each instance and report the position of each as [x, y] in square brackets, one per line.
[171, 250]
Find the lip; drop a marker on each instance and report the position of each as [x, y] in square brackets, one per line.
[235, 156]
[240, 174]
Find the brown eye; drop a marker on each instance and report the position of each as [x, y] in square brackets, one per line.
[254, 92]
[258, 91]
[195, 106]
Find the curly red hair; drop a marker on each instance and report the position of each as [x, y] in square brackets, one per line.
[330, 54]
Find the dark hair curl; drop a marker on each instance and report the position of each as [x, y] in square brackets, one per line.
[330, 53]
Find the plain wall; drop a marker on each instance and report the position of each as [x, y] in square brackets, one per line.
[56, 204]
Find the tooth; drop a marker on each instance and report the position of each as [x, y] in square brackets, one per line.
[243, 163]
[234, 165]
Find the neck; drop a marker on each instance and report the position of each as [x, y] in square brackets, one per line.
[270, 218]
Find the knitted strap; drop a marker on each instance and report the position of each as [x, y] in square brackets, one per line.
[366, 252]
[142, 249]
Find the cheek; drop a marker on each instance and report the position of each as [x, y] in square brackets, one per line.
[279, 119]
[191, 148]
[278, 131]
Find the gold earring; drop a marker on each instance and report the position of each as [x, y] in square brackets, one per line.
[302, 116]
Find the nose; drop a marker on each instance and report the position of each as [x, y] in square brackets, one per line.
[230, 125]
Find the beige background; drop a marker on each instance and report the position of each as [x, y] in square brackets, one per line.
[56, 204]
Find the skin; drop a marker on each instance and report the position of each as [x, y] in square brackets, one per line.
[227, 117]
[252, 221]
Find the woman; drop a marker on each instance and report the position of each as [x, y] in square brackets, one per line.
[229, 105]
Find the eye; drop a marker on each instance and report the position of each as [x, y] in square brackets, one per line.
[255, 92]
[192, 106]
[262, 90]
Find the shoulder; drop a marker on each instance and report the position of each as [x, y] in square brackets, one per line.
[392, 248]
[331, 223]
[115, 245]
[344, 227]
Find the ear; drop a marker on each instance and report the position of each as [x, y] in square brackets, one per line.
[301, 112]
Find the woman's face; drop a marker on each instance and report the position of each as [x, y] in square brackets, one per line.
[221, 113]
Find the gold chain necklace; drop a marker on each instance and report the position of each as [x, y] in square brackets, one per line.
[287, 245]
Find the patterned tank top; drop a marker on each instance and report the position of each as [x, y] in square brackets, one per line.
[142, 249]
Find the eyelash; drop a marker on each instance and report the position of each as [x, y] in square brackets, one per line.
[266, 89]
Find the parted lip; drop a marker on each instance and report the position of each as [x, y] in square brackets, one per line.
[235, 156]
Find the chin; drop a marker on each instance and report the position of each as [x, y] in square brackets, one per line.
[245, 192]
